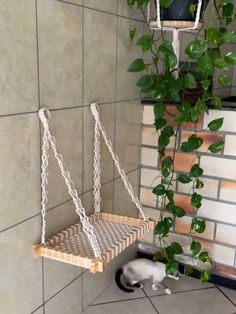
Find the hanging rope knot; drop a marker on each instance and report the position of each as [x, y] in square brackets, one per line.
[95, 111]
[44, 115]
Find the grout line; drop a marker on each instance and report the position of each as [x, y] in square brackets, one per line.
[43, 283]
[117, 301]
[102, 11]
[214, 232]
[59, 291]
[218, 189]
[150, 301]
[37, 309]
[225, 295]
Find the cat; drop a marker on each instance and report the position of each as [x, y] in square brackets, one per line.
[135, 272]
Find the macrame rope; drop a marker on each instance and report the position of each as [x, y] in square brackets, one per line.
[44, 115]
[97, 169]
[115, 159]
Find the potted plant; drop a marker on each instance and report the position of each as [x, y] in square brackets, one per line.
[166, 81]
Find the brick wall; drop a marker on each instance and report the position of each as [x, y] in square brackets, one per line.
[219, 192]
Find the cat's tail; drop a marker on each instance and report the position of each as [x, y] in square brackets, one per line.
[119, 283]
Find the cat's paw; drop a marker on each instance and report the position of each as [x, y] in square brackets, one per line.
[168, 291]
[154, 287]
[141, 286]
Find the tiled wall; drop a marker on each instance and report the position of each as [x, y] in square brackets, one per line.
[219, 201]
[63, 55]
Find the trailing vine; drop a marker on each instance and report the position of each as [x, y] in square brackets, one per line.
[165, 82]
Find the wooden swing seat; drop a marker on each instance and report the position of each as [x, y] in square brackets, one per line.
[114, 234]
[175, 24]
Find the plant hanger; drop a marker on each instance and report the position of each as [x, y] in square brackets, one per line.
[97, 239]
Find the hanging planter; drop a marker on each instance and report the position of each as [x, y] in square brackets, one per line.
[181, 14]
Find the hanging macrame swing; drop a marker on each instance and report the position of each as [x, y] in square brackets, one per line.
[97, 239]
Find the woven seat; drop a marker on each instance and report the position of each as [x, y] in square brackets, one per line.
[114, 234]
[175, 24]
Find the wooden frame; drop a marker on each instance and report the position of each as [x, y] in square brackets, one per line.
[51, 251]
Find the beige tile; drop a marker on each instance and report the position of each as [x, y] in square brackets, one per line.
[185, 283]
[123, 9]
[66, 126]
[113, 293]
[99, 63]
[88, 202]
[230, 145]
[19, 172]
[61, 217]
[57, 275]
[68, 300]
[150, 177]
[209, 301]
[147, 197]
[18, 57]
[79, 2]
[222, 167]
[21, 273]
[148, 115]
[123, 204]
[139, 306]
[107, 5]
[210, 188]
[124, 257]
[60, 54]
[218, 211]
[95, 284]
[127, 52]
[230, 294]
[107, 120]
[227, 191]
[149, 157]
[226, 234]
[128, 134]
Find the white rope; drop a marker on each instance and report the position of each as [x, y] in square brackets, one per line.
[116, 161]
[97, 170]
[44, 115]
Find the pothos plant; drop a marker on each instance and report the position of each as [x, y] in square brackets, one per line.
[158, 77]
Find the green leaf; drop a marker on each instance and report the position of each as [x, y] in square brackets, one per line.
[184, 178]
[159, 110]
[166, 181]
[195, 114]
[195, 49]
[131, 3]
[188, 270]
[132, 32]
[199, 184]
[178, 211]
[142, 3]
[228, 36]
[169, 253]
[158, 256]
[205, 276]
[137, 66]
[168, 131]
[170, 195]
[201, 105]
[176, 248]
[206, 84]
[159, 123]
[192, 9]
[159, 190]
[217, 147]
[145, 82]
[228, 13]
[230, 58]
[145, 42]
[203, 257]
[166, 3]
[205, 65]
[214, 53]
[163, 140]
[196, 199]
[216, 124]
[213, 35]
[192, 144]
[165, 171]
[195, 248]
[167, 161]
[198, 225]
[190, 81]
[159, 92]
[217, 102]
[196, 171]
[221, 63]
[224, 80]
[172, 267]
[159, 227]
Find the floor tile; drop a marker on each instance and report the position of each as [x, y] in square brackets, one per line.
[206, 301]
[231, 294]
[183, 284]
[130, 307]
[113, 293]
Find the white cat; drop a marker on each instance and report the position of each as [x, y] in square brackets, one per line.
[135, 272]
